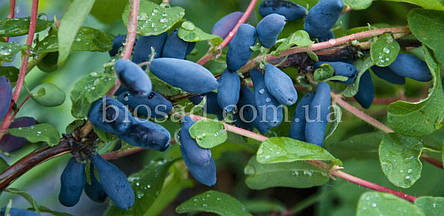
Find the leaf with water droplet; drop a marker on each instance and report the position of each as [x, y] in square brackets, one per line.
[213, 202]
[378, 203]
[384, 50]
[87, 39]
[297, 174]
[87, 90]
[154, 19]
[38, 133]
[208, 133]
[284, 149]
[191, 33]
[431, 206]
[399, 158]
[147, 184]
[9, 50]
[420, 118]
[20, 26]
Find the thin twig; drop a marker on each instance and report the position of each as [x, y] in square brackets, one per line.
[230, 36]
[11, 13]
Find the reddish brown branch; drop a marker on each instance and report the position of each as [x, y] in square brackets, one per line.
[432, 161]
[230, 36]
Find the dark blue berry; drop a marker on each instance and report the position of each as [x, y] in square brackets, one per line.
[280, 85]
[154, 105]
[110, 115]
[269, 28]
[118, 42]
[408, 65]
[5, 96]
[175, 47]
[297, 128]
[322, 17]
[239, 51]
[142, 48]
[133, 77]
[94, 190]
[388, 75]
[290, 10]
[147, 134]
[366, 91]
[228, 90]
[319, 111]
[224, 26]
[342, 69]
[72, 182]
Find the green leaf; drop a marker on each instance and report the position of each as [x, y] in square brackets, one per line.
[70, 24]
[87, 39]
[362, 65]
[26, 196]
[3, 165]
[191, 33]
[9, 50]
[147, 185]
[427, 4]
[173, 185]
[263, 206]
[324, 72]
[358, 4]
[108, 11]
[420, 118]
[361, 146]
[377, 203]
[208, 133]
[384, 50]
[11, 73]
[431, 206]
[428, 27]
[20, 26]
[298, 174]
[399, 157]
[213, 202]
[48, 94]
[155, 19]
[89, 89]
[284, 149]
[298, 38]
[164, 88]
[37, 133]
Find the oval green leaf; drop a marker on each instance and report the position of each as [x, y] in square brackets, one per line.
[377, 204]
[48, 94]
[213, 202]
[208, 133]
[431, 206]
[155, 19]
[358, 4]
[37, 133]
[399, 158]
[384, 50]
[191, 33]
[284, 149]
[298, 174]
[20, 26]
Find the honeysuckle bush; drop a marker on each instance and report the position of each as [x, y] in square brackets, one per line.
[384, 160]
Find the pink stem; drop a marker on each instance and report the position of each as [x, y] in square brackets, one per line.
[358, 113]
[21, 78]
[320, 164]
[11, 13]
[230, 36]
[130, 38]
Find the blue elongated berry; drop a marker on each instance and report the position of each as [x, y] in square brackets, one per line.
[196, 99]
[297, 127]
[280, 85]
[268, 108]
[228, 91]
[388, 75]
[248, 113]
[366, 91]
[239, 51]
[110, 115]
[117, 44]
[175, 47]
[198, 160]
[18, 212]
[154, 105]
[11, 143]
[341, 69]
[211, 105]
[269, 28]
[142, 48]
[133, 77]
[94, 190]
[72, 182]
[184, 74]
[147, 134]
[319, 111]
[5, 96]
[114, 183]
[291, 11]
[224, 26]
[408, 65]
[322, 17]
